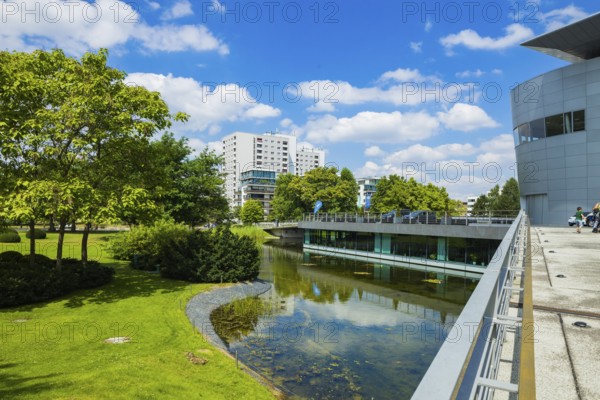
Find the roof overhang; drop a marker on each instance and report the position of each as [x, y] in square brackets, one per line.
[576, 42]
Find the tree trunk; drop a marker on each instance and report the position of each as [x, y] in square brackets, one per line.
[61, 239]
[73, 227]
[52, 227]
[84, 244]
[31, 243]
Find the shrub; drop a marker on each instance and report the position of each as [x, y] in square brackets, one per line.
[9, 236]
[142, 245]
[39, 259]
[10, 256]
[22, 284]
[37, 234]
[214, 256]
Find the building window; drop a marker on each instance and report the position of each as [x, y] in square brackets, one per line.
[555, 125]
[579, 121]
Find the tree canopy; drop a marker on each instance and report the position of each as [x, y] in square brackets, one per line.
[69, 128]
[252, 212]
[295, 195]
[397, 193]
[505, 201]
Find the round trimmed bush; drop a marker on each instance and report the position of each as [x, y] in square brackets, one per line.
[9, 236]
[37, 234]
[40, 259]
[10, 256]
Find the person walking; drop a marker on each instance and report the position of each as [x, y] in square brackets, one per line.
[596, 212]
[579, 219]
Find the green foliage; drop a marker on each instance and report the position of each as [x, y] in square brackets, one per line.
[71, 134]
[9, 236]
[210, 256]
[37, 233]
[10, 256]
[501, 202]
[295, 195]
[191, 189]
[397, 193]
[252, 212]
[286, 205]
[21, 283]
[142, 245]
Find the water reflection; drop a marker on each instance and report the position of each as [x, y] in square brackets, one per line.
[333, 328]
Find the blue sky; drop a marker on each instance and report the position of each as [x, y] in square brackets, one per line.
[417, 88]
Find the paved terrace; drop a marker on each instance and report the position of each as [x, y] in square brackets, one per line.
[567, 357]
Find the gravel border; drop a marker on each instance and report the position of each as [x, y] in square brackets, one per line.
[199, 308]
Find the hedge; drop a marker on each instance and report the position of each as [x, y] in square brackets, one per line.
[8, 235]
[37, 234]
[217, 255]
[21, 283]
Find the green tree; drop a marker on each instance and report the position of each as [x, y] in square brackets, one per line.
[58, 116]
[498, 201]
[252, 212]
[295, 195]
[286, 204]
[509, 200]
[190, 189]
[348, 190]
[397, 193]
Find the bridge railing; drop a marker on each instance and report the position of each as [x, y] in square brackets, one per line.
[467, 364]
[415, 217]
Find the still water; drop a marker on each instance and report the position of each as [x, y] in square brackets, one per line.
[332, 328]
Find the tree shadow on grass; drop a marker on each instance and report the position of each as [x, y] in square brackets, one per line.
[127, 283]
[14, 386]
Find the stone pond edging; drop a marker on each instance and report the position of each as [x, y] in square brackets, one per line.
[199, 308]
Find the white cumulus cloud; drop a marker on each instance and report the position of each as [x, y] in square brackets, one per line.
[180, 9]
[466, 118]
[77, 27]
[374, 151]
[207, 106]
[515, 34]
[374, 127]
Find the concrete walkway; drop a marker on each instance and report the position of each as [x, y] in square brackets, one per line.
[567, 357]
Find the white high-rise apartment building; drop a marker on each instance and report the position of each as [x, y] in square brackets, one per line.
[307, 159]
[243, 152]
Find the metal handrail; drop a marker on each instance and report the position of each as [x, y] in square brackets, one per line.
[467, 364]
[405, 217]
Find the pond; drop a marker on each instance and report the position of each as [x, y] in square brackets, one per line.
[333, 328]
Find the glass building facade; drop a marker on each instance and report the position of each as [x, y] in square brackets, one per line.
[452, 249]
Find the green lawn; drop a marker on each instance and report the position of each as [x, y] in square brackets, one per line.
[58, 352]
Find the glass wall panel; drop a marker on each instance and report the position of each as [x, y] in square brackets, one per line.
[418, 246]
[568, 122]
[516, 136]
[432, 247]
[537, 128]
[401, 245]
[555, 125]
[365, 241]
[457, 249]
[578, 120]
[524, 133]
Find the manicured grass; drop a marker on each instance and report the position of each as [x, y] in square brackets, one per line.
[58, 352]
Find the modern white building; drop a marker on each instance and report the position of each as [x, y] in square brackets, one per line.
[249, 153]
[556, 121]
[470, 203]
[366, 187]
[307, 159]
